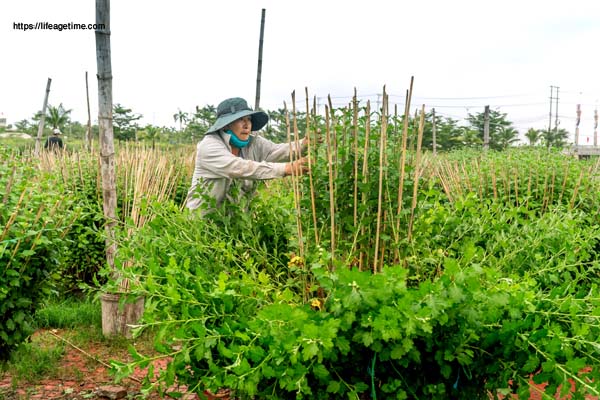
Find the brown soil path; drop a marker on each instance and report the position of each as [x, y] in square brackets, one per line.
[82, 376]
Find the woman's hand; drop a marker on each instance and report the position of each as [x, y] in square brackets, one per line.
[307, 139]
[297, 167]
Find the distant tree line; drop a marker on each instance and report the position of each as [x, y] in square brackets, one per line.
[191, 126]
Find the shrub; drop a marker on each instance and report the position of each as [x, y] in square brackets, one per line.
[33, 222]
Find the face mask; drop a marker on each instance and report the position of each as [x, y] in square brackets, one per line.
[236, 142]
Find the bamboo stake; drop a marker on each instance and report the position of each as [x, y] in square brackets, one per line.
[516, 186]
[380, 190]
[333, 137]
[9, 185]
[12, 217]
[480, 179]
[310, 172]
[494, 182]
[576, 190]
[382, 259]
[88, 133]
[402, 165]
[355, 134]
[331, 188]
[564, 184]
[365, 177]
[544, 199]
[528, 191]
[296, 181]
[417, 172]
[552, 184]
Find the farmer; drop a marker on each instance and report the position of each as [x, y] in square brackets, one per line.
[54, 142]
[230, 156]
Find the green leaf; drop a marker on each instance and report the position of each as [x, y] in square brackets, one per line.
[310, 350]
[320, 371]
[333, 387]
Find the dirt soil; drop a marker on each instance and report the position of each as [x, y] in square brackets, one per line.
[82, 376]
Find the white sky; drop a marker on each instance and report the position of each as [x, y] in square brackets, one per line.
[170, 55]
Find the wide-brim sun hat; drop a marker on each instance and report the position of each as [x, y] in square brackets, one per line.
[234, 108]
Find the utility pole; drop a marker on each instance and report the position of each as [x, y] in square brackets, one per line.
[260, 56]
[550, 117]
[486, 128]
[556, 114]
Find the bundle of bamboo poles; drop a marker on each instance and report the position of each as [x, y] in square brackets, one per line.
[352, 201]
[142, 174]
[145, 173]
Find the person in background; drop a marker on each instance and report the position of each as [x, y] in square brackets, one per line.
[230, 155]
[54, 142]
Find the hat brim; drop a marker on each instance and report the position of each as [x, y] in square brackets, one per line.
[259, 120]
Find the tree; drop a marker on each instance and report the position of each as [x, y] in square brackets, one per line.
[182, 117]
[75, 129]
[506, 136]
[58, 117]
[276, 128]
[25, 127]
[124, 122]
[533, 136]
[469, 137]
[555, 138]
[152, 132]
[499, 128]
[448, 134]
[202, 119]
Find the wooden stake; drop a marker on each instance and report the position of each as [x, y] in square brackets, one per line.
[40, 133]
[310, 172]
[417, 173]
[402, 164]
[355, 135]
[365, 176]
[107, 150]
[260, 58]
[380, 190]
[331, 187]
[296, 179]
[88, 133]
[333, 137]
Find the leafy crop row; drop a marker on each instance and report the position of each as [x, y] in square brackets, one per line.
[460, 276]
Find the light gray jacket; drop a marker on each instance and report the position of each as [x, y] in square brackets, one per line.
[216, 167]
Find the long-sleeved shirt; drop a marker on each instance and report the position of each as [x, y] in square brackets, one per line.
[216, 167]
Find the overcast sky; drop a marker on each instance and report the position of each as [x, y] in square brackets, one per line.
[170, 55]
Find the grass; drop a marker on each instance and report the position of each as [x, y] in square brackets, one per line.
[69, 313]
[35, 359]
[62, 324]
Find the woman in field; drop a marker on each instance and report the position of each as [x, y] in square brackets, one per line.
[230, 158]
